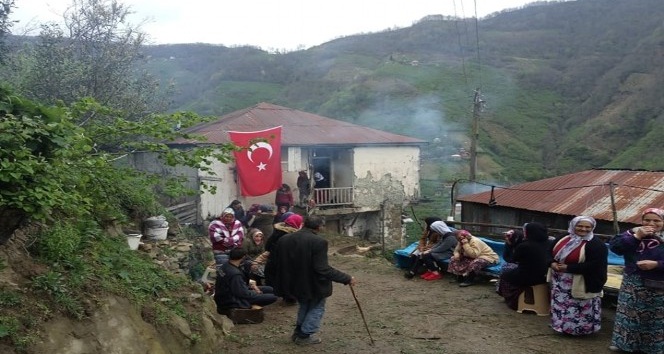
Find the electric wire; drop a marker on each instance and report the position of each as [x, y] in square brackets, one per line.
[477, 43]
[463, 56]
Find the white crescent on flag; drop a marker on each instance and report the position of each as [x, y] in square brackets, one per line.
[260, 145]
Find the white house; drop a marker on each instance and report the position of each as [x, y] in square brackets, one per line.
[370, 175]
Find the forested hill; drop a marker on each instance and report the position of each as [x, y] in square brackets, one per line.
[567, 85]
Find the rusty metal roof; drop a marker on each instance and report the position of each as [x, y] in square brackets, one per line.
[584, 193]
[299, 128]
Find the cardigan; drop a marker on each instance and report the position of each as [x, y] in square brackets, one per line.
[595, 265]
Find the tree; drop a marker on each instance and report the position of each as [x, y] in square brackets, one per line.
[5, 25]
[96, 54]
[51, 167]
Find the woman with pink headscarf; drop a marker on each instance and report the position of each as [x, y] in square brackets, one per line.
[639, 320]
[578, 274]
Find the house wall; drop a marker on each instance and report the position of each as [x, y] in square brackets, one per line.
[227, 189]
[386, 178]
[149, 162]
[399, 163]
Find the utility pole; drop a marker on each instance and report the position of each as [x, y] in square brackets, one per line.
[616, 226]
[477, 107]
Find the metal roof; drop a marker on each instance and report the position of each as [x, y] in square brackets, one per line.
[584, 193]
[299, 128]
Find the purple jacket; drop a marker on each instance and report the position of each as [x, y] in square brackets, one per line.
[634, 250]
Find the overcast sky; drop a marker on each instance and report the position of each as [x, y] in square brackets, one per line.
[268, 24]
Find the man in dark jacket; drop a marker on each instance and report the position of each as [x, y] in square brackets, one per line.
[232, 290]
[304, 273]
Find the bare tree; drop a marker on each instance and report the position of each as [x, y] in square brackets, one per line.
[97, 54]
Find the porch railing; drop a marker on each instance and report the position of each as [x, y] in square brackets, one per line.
[333, 196]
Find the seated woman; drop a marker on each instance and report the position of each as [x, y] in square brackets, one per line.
[532, 260]
[254, 245]
[470, 256]
[232, 288]
[225, 234]
[512, 239]
[434, 258]
[426, 242]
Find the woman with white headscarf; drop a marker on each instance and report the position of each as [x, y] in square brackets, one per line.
[578, 274]
[434, 258]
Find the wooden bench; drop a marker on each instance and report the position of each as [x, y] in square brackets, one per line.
[244, 316]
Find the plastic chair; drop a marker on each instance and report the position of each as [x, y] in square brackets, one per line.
[537, 299]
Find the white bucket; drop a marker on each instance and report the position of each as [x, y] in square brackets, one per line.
[157, 233]
[134, 240]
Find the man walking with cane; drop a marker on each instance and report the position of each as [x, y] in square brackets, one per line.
[302, 271]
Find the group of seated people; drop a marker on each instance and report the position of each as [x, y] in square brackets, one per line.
[574, 267]
[241, 253]
[440, 244]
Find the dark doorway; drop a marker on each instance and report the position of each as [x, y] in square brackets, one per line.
[322, 166]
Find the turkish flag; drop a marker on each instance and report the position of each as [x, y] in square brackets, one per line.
[259, 162]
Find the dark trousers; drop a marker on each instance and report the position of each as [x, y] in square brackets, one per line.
[266, 298]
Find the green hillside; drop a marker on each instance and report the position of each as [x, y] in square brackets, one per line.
[567, 85]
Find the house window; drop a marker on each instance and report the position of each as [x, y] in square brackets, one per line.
[284, 158]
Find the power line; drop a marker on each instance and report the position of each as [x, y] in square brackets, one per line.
[463, 56]
[477, 43]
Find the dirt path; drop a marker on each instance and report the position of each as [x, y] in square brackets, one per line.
[414, 316]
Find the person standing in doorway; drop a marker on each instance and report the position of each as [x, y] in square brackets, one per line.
[303, 272]
[304, 186]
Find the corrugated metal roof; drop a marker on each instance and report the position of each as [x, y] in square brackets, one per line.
[584, 193]
[299, 128]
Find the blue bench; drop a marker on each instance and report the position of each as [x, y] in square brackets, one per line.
[403, 260]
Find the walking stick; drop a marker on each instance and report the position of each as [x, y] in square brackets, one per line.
[361, 313]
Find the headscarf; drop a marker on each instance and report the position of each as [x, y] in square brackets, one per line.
[228, 211]
[430, 220]
[255, 231]
[440, 227]
[657, 211]
[575, 240]
[537, 232]
[295, 221]
[515, 237]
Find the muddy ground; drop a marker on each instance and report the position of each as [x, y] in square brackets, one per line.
[414, 316]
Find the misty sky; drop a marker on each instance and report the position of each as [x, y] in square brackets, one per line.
[268, 24]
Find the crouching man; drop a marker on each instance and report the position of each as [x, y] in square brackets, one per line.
[232, 288]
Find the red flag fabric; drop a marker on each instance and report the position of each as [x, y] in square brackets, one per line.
[259, 162]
